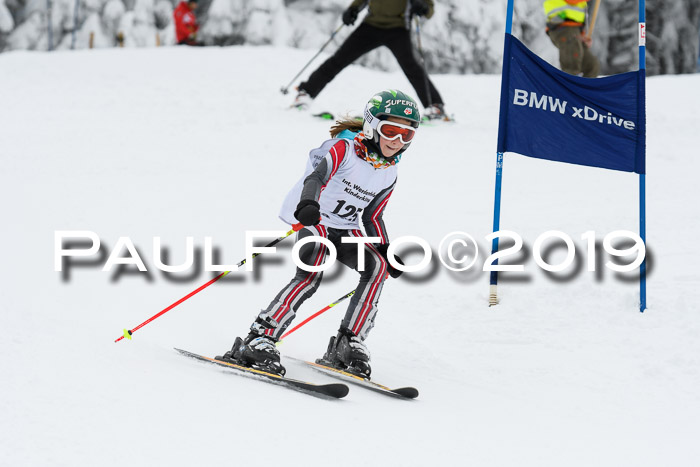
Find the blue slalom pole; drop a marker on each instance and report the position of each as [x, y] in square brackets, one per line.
[493, 279]
[642, 234]
[509, 17]
[642, 176]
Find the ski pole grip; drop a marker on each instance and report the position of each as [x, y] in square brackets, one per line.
[297, 227]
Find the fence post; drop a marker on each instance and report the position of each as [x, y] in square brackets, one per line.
[75, 24]
[49, 9]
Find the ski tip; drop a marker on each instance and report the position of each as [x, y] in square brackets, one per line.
[324, 115]
[336, 390]
[408, 393]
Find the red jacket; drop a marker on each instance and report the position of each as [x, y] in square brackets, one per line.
[185, 22]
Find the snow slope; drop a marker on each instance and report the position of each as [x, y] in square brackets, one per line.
[177, 142]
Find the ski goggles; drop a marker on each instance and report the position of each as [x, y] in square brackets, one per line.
[392, 130]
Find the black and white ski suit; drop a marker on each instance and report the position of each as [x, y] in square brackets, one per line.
[348, 189]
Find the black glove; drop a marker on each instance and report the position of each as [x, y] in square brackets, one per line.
[393, 272]
[308, 212]
[419, 7]
[350, 15]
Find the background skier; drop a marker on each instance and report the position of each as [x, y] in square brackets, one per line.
[388, 24]
[348, 178]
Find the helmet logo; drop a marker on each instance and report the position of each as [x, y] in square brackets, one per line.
[368, 115]
[407, 111]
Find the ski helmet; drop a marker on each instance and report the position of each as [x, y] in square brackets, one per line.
[385, 104]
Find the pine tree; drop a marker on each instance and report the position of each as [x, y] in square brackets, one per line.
[463, 36]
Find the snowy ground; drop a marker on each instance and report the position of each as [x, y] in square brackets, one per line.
[177, 142]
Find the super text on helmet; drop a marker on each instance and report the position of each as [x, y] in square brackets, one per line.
[391, 102]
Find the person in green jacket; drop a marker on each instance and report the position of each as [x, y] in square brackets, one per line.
[565, 27]
[388, 24]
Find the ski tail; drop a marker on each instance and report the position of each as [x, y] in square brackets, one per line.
[324, 367]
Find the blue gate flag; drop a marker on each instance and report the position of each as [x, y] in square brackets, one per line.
[549, 114]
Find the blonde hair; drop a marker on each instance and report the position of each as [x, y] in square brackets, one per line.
[347, 123]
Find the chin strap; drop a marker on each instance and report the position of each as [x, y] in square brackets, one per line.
[373, 155]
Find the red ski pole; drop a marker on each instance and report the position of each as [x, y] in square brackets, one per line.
[347, 295]
[129, 332]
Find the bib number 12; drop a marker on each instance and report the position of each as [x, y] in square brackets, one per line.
[350, 212]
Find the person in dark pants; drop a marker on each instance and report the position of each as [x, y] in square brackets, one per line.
[387, 24]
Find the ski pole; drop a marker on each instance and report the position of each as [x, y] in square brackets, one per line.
[347, 295]
[129, 332]
[425, 69]
[285, 89]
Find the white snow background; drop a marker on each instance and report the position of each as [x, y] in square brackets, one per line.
[178, 142]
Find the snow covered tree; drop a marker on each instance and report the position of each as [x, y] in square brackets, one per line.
[461, 37]
[672, 36]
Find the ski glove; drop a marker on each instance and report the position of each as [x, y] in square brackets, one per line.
[350, 15]
[393, 272]
[308, 212]
[419, 8]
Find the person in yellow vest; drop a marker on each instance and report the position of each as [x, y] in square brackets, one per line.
[566, 21]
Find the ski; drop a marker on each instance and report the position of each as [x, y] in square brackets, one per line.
[336, 390]
[404, 393]
[437, 121]
[324, 115]
[331, 116]
[424, 121]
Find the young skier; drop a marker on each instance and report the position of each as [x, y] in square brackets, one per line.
[348, 179]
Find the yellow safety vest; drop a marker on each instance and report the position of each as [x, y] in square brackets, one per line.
[558, 11]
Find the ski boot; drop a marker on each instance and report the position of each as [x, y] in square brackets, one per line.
[435, 112]
[257, 351]
[302, 101]
[348, 353]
